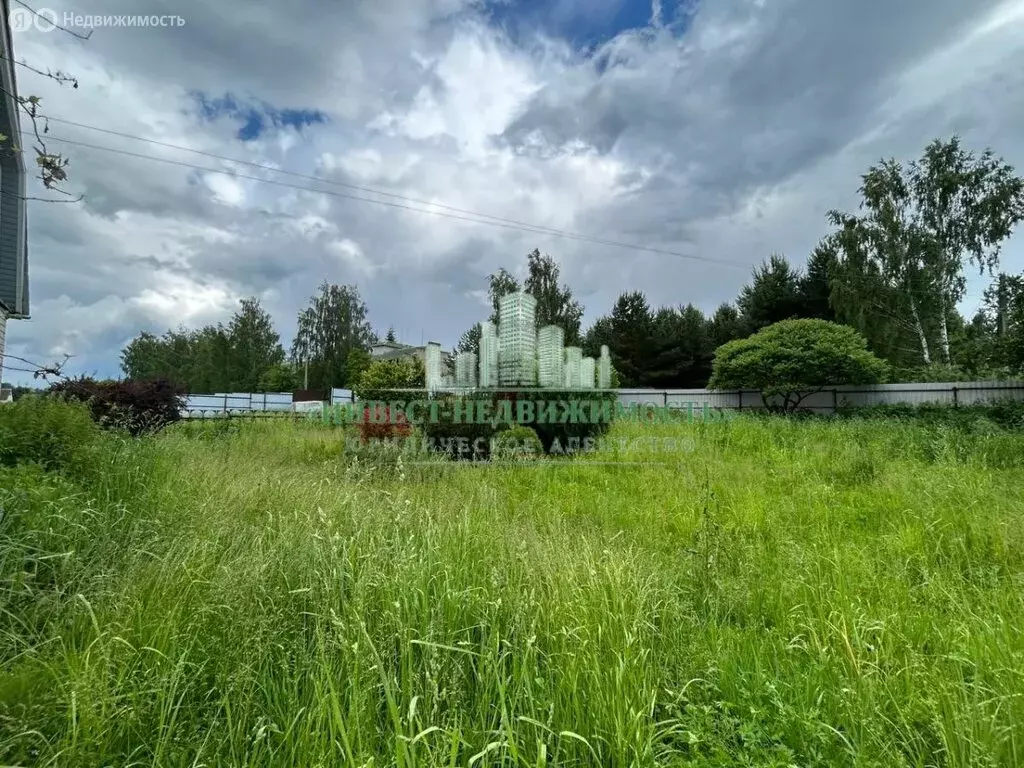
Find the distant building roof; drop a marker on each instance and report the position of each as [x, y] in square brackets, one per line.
[396, 353]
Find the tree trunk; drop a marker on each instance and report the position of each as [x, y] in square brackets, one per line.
[1002, 307]
[920, 332]
[943, 330]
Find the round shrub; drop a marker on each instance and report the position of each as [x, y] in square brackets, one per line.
[517, 443]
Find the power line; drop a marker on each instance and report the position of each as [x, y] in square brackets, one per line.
[469, 217]
[310, 177]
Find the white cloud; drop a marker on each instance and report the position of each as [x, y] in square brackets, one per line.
[728, 142]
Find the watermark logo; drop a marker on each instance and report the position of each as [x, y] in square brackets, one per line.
[21, 19]
[507, 412]
[47, 20]
[617, 450]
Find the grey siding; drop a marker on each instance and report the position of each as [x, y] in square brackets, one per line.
[9, 227]
[13, 229]
[3, 339]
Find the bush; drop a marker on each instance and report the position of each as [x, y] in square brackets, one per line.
[517, 442]
[135, 406]
[378, 423]
[563, 435]
[794, 358]
[46, 431]
[459, 438]
[381, 383]
[383, 376]
[1006, 414]
[281, 377]
[939, 373]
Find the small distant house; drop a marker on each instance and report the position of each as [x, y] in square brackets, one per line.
[393, 350]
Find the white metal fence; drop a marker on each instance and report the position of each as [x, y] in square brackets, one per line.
[826, 401]
[248, 403]
[830, 399]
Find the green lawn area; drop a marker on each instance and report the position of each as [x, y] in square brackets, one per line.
[784, 593]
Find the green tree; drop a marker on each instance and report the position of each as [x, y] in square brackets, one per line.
[1002, 318]
[816, 286]
[210, 357]
[968, 206]
[255, 346]
[383, 375]
[773, 295]
[682, 349]
[143, 357]
[555, 302]
[501, 283]
[904, 254]
[358, 360]
[600, 333]
[470, 340]
[880, 280]
[214, 358]
[726, 325]
[172, 357]
[629, 333]
[390, 337]
[796, 358]
[281, 377]
[332, 326]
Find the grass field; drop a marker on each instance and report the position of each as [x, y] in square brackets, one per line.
[785, 593]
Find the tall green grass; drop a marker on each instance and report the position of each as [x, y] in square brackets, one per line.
[775, 593]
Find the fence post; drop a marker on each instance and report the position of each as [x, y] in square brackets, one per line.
[740, 392]
[225, 403]
[956, 402]
[835, 401]
[664, 398]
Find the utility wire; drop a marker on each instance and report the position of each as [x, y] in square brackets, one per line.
[309, 177]
[472, 217]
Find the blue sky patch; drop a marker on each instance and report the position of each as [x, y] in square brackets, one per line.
[584, 23]
[255, 117]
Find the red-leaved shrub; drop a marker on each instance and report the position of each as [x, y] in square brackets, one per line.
[381, 425]
[136, 406]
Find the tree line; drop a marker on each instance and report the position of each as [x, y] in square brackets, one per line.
[894, 270]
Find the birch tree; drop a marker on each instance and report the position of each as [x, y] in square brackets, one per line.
[333, 325]
[882, 248]
[966, 206]
[917, 228]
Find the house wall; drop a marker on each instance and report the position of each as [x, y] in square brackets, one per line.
[3, 338]
[13, 229]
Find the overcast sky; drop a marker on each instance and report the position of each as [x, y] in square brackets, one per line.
[724, 129]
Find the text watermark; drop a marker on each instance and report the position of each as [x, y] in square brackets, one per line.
[617, 448]
[514, 412]
[47, 19]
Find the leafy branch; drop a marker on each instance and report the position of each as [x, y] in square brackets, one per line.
[38, 370]
[52, 165]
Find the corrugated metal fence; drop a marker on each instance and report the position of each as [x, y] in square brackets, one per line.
[826, 401]
[248, 403]
[831, 399]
